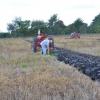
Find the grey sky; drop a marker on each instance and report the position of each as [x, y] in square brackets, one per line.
[68, 10]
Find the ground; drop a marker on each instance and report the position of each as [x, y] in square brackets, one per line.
[87, 64]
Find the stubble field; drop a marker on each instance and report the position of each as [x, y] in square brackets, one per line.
[25, 75]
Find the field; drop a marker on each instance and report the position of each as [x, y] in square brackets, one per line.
[25, 75]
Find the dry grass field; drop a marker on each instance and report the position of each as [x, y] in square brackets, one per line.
[88, 44]
[25, 75]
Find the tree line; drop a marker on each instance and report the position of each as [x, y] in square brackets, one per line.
[54, 26]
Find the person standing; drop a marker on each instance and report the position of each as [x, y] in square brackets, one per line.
[44, 45]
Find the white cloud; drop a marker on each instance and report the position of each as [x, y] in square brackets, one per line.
[67, 10]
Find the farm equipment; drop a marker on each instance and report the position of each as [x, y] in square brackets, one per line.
[37, 40]
[75, 35]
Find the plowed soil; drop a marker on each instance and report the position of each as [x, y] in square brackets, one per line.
[86, 64]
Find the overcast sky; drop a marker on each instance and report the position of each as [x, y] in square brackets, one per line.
[67, 10]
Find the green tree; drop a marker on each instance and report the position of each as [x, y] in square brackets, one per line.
[23, 28]
[96, 20]
[12, 27]
[95, 25]
[37, 24]
[83, 28]
[59, 27]
[60, 24]
[94, 29]
[78, 23]
[55, 26]
[53, 19]
[51, 23]
[70, 28]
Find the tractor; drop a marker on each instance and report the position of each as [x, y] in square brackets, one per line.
[35, 44]
[75, 35]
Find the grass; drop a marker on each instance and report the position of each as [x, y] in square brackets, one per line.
[25, 75]
[88, 44]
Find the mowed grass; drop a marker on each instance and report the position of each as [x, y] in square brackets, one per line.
[88, 44]
[25, 75]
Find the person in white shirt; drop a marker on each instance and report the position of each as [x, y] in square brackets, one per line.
[44, 45]
[71, 35]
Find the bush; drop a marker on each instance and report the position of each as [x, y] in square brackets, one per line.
[5, 35]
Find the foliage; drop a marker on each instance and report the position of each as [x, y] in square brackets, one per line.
[5, 35]
[52, 21]
[54, 26]
[78, 23]
[10, 27]
[83, 28]
[70, 28]
[95, 25]
[24, 28]
[14, 25]
[24, 65]
[78, 26]
[96, 20]
[94, 29]
[37, 24]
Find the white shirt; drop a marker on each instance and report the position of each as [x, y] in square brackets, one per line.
[45, 43]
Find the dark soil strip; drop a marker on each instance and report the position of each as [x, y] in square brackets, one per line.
[87, 64]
